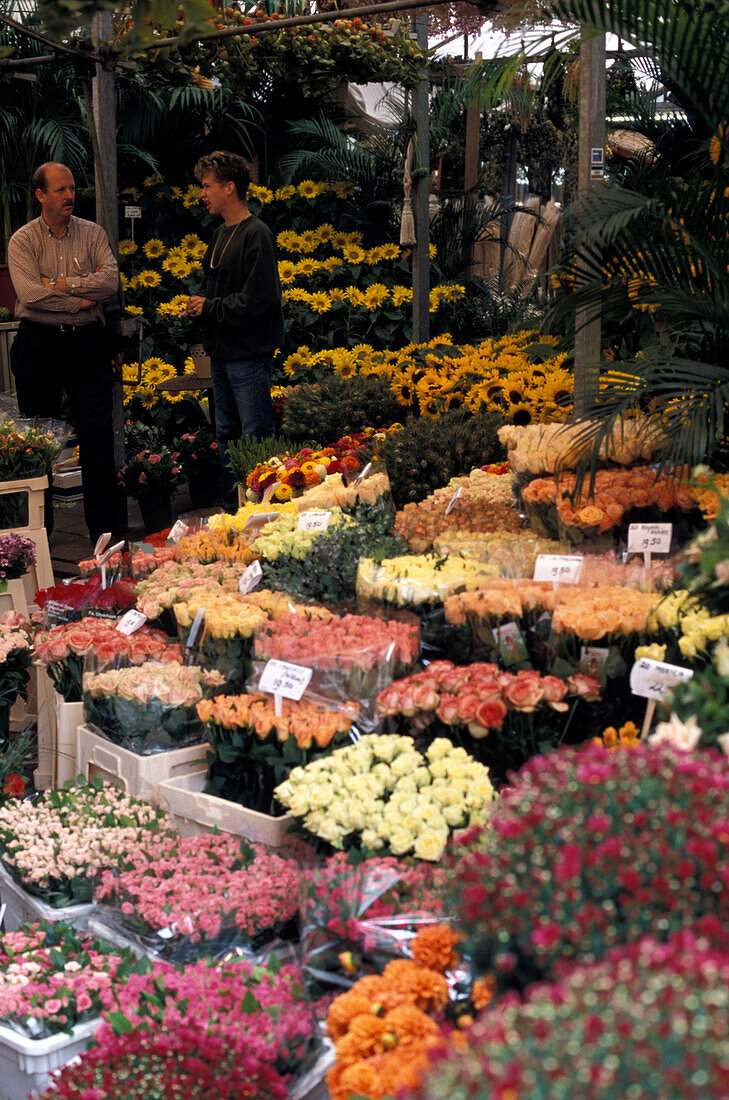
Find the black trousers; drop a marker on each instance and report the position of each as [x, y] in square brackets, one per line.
[48, 360]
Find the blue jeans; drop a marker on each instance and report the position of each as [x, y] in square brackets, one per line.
[243, 406]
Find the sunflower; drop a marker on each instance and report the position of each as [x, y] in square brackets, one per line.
[154, 248]
[135, 309]
[286, 271]
[390, 251]
[353, 254]
[127, 248]
[308, 189]
[299, 358]
[191, 196]
[282, 194]
[355, 296]
[401, 294]
[353, 238]
[324, 232]
[260, 194]
[342, 189]
[347, 369]
[375, 296]
[152, 181]
[320, 302]
[176, 193]
[132, 193]
[403, 389]
[339, 241]
[717, 145]
[288, 240]
[148, 278]
[337, 294]
[432, 251]
[429, 406]
[307, 267]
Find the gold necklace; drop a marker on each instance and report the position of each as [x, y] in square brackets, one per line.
[215, 266]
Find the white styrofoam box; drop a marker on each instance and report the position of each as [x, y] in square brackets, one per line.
[22, 906]
[137, 775]
[195, 813]
[69, 716]
[67, 484]
[26, 1064]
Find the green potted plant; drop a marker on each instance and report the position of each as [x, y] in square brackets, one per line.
[150, 476]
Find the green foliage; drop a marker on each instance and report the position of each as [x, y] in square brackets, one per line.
[337, 407]
[246, 453]
[427, 453]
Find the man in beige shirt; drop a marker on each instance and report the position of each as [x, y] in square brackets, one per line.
[63, 269]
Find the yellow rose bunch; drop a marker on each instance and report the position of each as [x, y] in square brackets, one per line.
[513, 553]
[681, 610]
[418, 579]
[389, 795]
[224, 523]
[226, 615]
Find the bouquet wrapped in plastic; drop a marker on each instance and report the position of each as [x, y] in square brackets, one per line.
[173, 581]
[66, 603]
[357, 914]
[147, 708]
[223, 627]
[201, 896]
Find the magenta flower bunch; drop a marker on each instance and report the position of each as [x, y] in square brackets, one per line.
[591, 849]
[193, 893]
[648, 1020]
[17, 554]
[149, 470]
[52, 977]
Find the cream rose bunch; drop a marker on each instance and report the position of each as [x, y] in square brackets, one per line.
[418, 579]
[382, 793]
[285, 537]
[538, 449]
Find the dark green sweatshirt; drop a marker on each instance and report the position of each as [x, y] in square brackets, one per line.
[242, 316]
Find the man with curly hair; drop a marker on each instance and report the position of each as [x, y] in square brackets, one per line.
[239, 305]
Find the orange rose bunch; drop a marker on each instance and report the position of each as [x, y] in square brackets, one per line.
[594, 612]
[499, 597]
[386, 1026]
[306, 722]
[486, 504]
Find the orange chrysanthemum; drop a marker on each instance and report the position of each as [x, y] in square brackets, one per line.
[427, 989]
[483, 992]
[433, 947]
[343, 1010]
[410, 1025]
[367, 1032]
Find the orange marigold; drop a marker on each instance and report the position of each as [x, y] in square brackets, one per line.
[362, 1079]
[367, 1032]
[423, 987]
[410, 1025]
[343, 1010]
[483, 992]
[433, 947]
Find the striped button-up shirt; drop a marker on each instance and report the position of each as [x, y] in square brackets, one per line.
[82, 256]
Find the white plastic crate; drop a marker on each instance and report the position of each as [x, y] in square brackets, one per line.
[22, 906]
[137, 775]
[195, 813]
[26, 1064]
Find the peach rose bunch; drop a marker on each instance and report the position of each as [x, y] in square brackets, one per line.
[543, 448]
[485, 504]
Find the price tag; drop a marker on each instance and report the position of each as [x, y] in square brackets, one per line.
[250, 578]
[132, 212]
[453, 501]
[112, 550]
[649, 538]
[511, 645]
[270, 491]
[654, 679]
[594, 655]
[259, 520]
[101, 543]
[565, 568]
[131, 622]
[178, 532]
[195, 627]
[314, 520]
[363, 475]
[282, 678]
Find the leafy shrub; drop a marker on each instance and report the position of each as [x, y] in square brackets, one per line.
[642, 1023]
[339, 407]
[594, 849]
[428, 453]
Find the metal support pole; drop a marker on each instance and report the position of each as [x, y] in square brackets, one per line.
[421, 200]
[103, 94]
[590, 174]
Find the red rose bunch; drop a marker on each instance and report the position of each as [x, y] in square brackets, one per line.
[64, 603]
[590, 849]
[648, 1020]
[62, 650]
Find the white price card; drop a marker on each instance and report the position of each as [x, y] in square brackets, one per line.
[131, 622]
[250, 578]
[112, 550]
[179, 530]
[195, 627]
[259, 520]
[654, 679]
[283, 678]
[564, 568]
[453, 501]
[649, 538]
[132, 212]
[314, 520]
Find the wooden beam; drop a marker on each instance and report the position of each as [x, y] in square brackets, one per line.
[421, 199]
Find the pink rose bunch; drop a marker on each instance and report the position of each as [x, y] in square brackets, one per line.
[51, 978]
[55, 844]
[166, 681]
[199, 885]
[142, 562]
[173, 582]
[344, 642]
[479, 696]
[14, 634]
[63, 648]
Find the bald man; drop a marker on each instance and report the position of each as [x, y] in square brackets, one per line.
[63, 269]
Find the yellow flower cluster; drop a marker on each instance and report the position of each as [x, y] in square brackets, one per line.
[391, 794]
[141, 382]
[496, 374]
[225, 615]
[373, 298]
[419, 578]
[285, 537]
[177, 307]
[679, 609]
[224, 523]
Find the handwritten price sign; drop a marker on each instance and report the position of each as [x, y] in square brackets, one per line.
[654, 679]
[314, 520]
[649, 538]
[564, 568]
[250, 578]
[283, 678]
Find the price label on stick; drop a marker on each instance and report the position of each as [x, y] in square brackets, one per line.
[363, 475]
[453, 501]
[285, 679]
[562, 568]
[101, 543]
[654, 679]
[250, 578]
[314, 520]
[649, 538]
[195, 627]
[131, 622]
[259, 520]
[178, 532]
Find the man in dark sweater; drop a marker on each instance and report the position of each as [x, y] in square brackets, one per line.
[239, 305]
